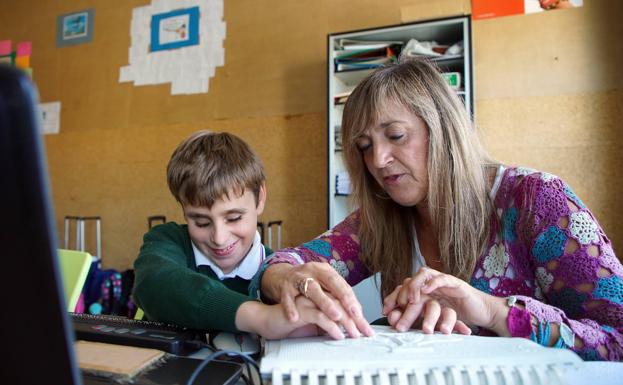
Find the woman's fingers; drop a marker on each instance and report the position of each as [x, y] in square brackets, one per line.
[428, 316]
[317, 295]
[447, 320]
[333, 283]
[340, 289]
[432, 312]
[447, 282]
[405, 293]
[461, 328]
[411, 288]
[350, 327]
[390, 302]
[311, 314]
[393, 317]
[409, 315]
[333, 296]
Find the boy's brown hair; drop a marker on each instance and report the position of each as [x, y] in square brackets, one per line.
[207, 166]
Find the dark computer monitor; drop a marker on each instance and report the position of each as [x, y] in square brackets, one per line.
[36, 342]
[36, 335]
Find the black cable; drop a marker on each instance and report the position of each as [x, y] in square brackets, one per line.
[205, 345]
[246, 365]
[245, 379]
[219, 353]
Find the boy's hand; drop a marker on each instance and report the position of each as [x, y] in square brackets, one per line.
[270, 321]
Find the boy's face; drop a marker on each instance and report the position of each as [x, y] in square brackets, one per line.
[225, 232]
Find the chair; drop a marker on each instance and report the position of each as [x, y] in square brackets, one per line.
[74, 269]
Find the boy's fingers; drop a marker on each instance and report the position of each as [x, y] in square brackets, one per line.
[289, 307]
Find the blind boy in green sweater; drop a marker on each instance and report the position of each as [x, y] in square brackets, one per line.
[197, 274]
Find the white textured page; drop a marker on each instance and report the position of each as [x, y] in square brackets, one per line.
[389, 355]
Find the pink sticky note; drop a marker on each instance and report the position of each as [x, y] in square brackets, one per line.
[24, 48]
[5, 47]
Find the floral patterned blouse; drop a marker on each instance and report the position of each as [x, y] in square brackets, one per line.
[547, 250]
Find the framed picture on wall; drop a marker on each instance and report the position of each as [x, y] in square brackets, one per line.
[75, 28]
[175, 29]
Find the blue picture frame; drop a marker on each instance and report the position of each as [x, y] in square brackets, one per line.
[175, 29]
[75, 28]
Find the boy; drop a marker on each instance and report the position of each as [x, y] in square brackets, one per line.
[198, 275]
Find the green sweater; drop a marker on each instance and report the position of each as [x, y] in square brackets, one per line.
[169, 287]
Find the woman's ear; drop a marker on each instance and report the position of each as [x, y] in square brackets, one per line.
[261, 199]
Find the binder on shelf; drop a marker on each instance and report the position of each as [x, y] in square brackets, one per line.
[337, 132]
[364, 59]
[453, 79]
[354, 44]
[341, 98]
[342, 183]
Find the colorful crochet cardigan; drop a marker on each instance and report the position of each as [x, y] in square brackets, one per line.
[546, 251]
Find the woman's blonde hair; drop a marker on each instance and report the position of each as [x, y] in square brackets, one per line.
[457, 196]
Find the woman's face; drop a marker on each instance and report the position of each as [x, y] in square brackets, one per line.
[395, 151]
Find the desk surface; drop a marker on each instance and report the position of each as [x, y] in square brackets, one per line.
[177, 370]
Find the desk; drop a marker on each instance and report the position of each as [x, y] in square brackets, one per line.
[597, 373]
[177, 370]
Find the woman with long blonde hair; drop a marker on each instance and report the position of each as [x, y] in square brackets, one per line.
[458, 238]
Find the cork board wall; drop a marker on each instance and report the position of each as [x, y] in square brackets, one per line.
[548, 95]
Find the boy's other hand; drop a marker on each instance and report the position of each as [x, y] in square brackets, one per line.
[270, 321]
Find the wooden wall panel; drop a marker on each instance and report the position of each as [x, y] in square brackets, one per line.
[548, 95]
[117, 174]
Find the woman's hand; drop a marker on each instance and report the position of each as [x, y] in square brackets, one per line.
[327, 290]
[428, 314]
[470, 305]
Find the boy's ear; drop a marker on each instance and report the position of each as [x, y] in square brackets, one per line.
[261, 199]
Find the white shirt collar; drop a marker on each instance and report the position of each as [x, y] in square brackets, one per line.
[247, 267]
[497, 182]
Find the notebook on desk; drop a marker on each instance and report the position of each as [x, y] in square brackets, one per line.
[35, 331]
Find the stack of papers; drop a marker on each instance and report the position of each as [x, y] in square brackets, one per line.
[355, 54]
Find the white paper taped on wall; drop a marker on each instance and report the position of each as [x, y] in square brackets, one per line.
[187, 57]
[50, 117]
[392, 358]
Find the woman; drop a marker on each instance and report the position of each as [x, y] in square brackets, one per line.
[435, 212]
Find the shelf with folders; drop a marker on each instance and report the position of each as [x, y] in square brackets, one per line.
[354, 55]
[450, 66]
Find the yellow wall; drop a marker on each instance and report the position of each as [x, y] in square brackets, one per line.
[548, 95]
